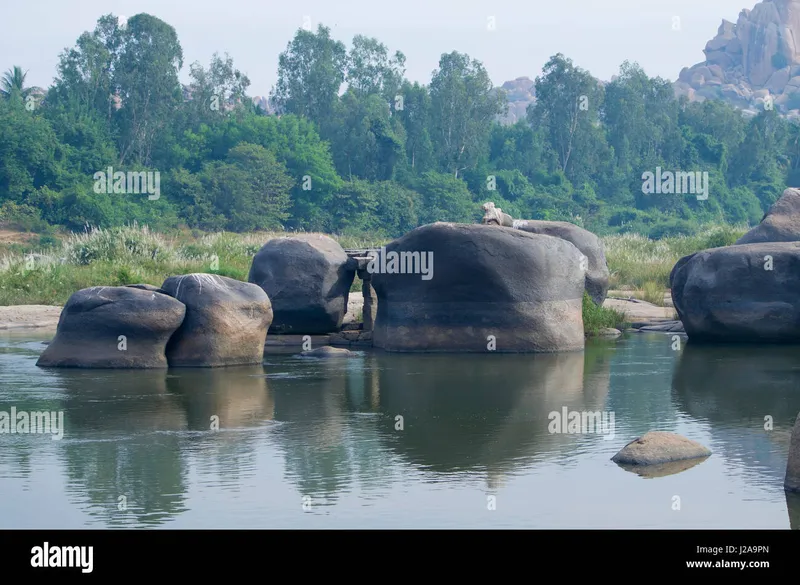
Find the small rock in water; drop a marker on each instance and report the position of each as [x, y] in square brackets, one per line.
[327, 351]
[656, 448]
[609, 332]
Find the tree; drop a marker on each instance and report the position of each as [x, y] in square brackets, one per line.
[250, 189]
[13, 83]
[146, 77]
[310, 73]
[566, 109]
[463, 107]
[370, 69]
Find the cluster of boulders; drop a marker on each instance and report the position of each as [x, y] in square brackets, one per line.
[194, 320]
[754, 63]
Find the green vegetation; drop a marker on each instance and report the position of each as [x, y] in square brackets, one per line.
[637, 262]
[127, 255]
[37, 273]
[596, 318]
[382, 157]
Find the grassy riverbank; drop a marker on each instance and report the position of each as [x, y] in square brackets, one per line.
[48, 271]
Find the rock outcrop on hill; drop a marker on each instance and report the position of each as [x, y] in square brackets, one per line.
[520, 94]
[754, 63]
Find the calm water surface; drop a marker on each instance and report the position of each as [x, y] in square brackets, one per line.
[306, 443]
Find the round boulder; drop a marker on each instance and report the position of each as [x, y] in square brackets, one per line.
[747, 293]
[658, 448]
[478, 288]
[780, 224]
[226, 321]
[590, 245]
[308, 279]
[114, 327]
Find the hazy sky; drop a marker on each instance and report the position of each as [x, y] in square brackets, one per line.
[596, 34]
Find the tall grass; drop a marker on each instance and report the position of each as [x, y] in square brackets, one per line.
[130, 255]
[637, 261]
[134, 254]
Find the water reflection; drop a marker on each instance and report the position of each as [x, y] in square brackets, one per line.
[113, 455]
[484, 412]
[126, 443]
[748, 395]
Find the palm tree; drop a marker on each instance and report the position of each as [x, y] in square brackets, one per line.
[13, 83]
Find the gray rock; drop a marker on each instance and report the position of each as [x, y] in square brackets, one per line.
[657, 448]
[666, 327]
[744, 293]
[780, 224]
[608, 332]
[490, 285]
[327, 352]
[114, 327]
[308, 279]
[792, 482]
[226, 321]
[590, 245]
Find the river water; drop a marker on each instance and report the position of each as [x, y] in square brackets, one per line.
[401, 441]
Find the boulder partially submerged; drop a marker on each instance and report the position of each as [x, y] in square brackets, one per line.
[493, 289]
[659, 448]
[114, 327]
[226, 321]
[745, 293]
[307, 279]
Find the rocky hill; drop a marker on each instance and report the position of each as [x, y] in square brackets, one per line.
[520, 94]
[754, 63]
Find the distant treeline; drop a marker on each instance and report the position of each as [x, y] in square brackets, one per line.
[383, 157]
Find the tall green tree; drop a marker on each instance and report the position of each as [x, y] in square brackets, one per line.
[310, 73]
[463, 107]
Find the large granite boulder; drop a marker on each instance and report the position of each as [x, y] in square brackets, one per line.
[491, 288]
[590, 245]
[780, 224]
[746, 293]
[226, 321]
[308, 279]
[114, 327]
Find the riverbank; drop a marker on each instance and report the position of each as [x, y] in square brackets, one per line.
[46, 316]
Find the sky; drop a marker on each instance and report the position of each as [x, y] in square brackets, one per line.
[663, 36]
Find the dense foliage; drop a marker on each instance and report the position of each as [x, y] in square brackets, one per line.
[383, 156]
